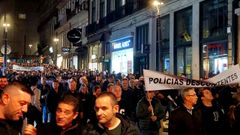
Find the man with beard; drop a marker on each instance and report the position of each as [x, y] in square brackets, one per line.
[14, 101]
[3, 82]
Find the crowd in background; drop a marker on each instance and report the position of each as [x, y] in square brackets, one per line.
[219, 107]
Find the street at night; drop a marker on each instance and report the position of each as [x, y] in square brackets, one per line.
[119, 67]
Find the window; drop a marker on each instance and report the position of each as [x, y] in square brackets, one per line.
[141, 62]
[183, 42]
[213, 19]
[213, 37]
[109, 6]
[102, 8]
[163, 59]
[93, 11]
[22, 16]
[142, 36]
[183, 26]
[117, 4]
[215, 59]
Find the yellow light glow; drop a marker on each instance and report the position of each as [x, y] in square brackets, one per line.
[6, 25]
[157, 3]
[55, 39]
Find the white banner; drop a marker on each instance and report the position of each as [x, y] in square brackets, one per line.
[230, 76]
[21, 68]
[160, 81]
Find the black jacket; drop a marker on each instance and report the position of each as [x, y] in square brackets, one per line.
[52, 129]
[10, 127]
[127, 128]
[181, 122]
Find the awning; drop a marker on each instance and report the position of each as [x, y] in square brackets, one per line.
[94, 38]
[103, 36]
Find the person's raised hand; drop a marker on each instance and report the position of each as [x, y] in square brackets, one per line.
[30, 130]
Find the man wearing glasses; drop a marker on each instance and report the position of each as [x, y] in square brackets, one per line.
[186, 120]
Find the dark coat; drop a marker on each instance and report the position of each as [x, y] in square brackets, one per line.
[10, 127]
[214, 120]
[181, 122]
[52, 129]
[127, 128]
[144, 116]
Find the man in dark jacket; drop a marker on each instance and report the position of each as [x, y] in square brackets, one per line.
[109, 122]
[53, 98]
[149, 113]
[14, 102]
[67, 111]
[186, 120]
[213, 117]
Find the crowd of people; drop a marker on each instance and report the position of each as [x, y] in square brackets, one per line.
[72, 102]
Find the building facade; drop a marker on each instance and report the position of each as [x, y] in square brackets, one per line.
[197, 38]
[22, 35]
[117, 33]
[185, 36]
[72, 14]
[46, 30]
[198, 42]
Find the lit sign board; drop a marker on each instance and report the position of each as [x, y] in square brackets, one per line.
[122, 44]
[65, 49]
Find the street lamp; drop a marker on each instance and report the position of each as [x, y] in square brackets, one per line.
[55, 40]
[5, 25]
[157, 4]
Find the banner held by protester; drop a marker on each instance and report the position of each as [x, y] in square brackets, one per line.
[24, 68]
[159, 81]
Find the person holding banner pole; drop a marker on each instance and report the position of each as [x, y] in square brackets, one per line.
[149, 112]
[186, 119]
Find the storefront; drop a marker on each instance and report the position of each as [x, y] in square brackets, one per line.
[122, 55]
[59, 60]
[95, 63]
[75, 62]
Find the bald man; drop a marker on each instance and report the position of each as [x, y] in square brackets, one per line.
[14, 101]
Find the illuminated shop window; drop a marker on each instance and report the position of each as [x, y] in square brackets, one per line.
[183, 42]
[213, 37]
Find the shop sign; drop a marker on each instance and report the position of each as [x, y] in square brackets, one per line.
[65, 49]
[74, 35]
[122, 44]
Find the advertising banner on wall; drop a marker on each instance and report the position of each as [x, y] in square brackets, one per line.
[159, 81]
